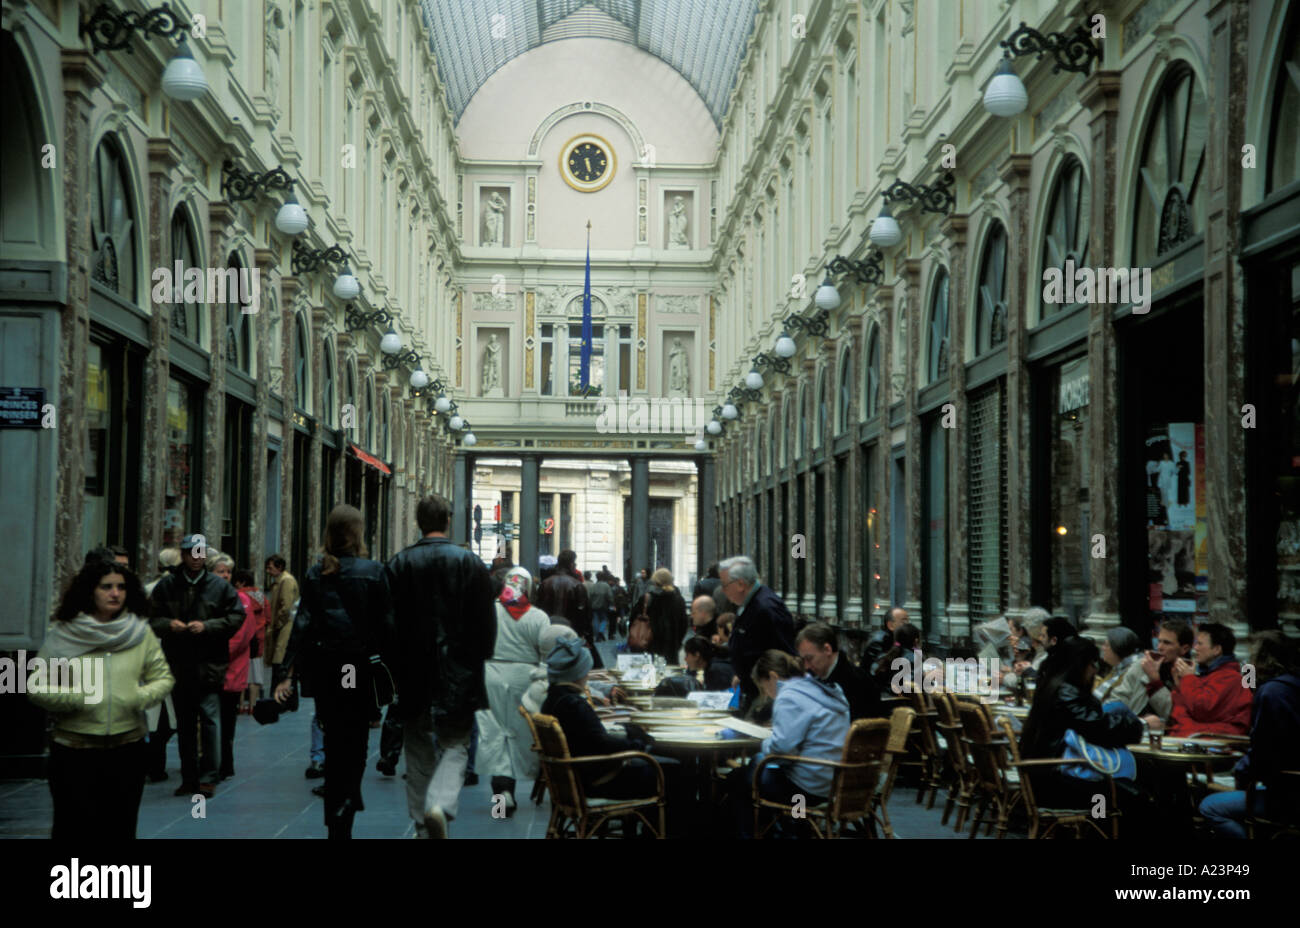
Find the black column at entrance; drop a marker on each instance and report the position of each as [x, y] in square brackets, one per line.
[461, 495]
[707, 519]
[640, 514]
[528, 490]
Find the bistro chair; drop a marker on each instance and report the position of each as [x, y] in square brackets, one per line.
[539, 785]
[1289, 827]
[958, 768]
[991, 775]
[572, 811]
[854, 781]
[1074, 819]
[923, 747]
[900, 728]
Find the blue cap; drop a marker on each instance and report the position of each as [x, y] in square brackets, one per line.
[568, 661]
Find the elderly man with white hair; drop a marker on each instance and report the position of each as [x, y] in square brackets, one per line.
[762, 620]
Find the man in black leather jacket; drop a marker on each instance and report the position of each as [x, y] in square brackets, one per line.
[446, 631]
[194, 615]
[883, 639]
[562, 594]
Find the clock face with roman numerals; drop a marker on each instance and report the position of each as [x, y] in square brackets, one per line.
[587, 163]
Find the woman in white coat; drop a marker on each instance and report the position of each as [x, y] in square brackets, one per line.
[505, 743]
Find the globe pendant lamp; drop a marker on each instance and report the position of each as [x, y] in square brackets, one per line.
[729, 411]
[347, 287]
[391, 343]
[470, 440]
[442, 404]
[183, 78]
[292, 218]
[714, 427]
[456, 423]
[827, 297]
[1005, 94]
[701, 445]
[419, 379]
[885, 232]
[754, 380]
[785, 346]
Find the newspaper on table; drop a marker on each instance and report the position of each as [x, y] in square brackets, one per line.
[710, 700]
[627, 662]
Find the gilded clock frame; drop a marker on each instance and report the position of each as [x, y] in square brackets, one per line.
[572, 181]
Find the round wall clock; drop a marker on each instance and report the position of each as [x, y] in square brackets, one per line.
[587, 163]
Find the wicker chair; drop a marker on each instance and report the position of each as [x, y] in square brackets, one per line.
[855, 780]
[900, 728]
[959, 767]
[991, 784]
[539, 786]
[572, 811]
[1074, 819]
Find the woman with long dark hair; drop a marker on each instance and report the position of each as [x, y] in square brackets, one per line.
[115, 670]
[343, 631]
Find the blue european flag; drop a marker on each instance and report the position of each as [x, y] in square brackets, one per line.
[584, 371]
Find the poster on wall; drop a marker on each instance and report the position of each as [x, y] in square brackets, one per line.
[1175, 509]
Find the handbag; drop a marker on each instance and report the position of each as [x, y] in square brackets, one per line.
[1117, 763]
[640, 636]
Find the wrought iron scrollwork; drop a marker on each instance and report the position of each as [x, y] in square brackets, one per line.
[112, 30]
[238, 184]
[1074, 51]
[772, 362]
[354, 320]
[935, 198]
[870, 271]
[305, 260]
[817, 324]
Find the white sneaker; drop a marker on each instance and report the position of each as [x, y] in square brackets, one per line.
[435, 822]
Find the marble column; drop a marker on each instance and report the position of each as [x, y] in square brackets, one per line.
[1100, 95]
[463, 469]
[220, 217]
[708, 544]
[957, 501]
[881, 592]
[640, 532]
[266, 264]
[1225, 318]
[915, 464]
[529, 478]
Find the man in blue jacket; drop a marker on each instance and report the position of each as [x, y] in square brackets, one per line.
[762, 621]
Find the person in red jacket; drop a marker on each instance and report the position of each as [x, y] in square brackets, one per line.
[237, 671]
[254, 601]
[1213, 699]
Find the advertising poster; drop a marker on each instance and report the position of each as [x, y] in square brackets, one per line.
[1171, 471]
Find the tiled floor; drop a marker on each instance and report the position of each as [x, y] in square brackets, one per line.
[269, 798]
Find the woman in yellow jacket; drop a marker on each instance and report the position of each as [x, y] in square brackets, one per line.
[100, 668]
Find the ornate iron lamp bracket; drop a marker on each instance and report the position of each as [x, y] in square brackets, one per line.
[112, 30]
[1074, 51]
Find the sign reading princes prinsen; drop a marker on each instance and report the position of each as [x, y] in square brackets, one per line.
[20, 407]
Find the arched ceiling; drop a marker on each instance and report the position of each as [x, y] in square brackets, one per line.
[703, 40]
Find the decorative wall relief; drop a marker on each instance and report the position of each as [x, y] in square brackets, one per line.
[677, 303]
[484, 301]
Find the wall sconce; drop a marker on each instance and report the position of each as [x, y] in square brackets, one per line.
[238, 185]
[112, 30]
[817, 324]
[773, 362]
[938, 198]
[354, 320]
[1006, 94]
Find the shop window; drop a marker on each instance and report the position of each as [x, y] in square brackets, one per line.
[236, 480]
[113, 227]
[1065, 486]
[1066, 236]
[1168, 207]
[110, 504]
[934, 535]
[301, 362]
[1284, 148]
[239, 324]
[987, 504]
[991, 297]
[181, 512]
[846, 393]
[327, 391]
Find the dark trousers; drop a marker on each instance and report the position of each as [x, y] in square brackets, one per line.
[229, 716]
[390, 738]
[345, 716]
[158, 744]
[197, 710]
[96, 791]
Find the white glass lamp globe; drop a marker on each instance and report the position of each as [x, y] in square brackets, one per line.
[456, 423]
[183, 78]
[885, 231]
[1005, 94]
[391, 343]
[701, 445]
[785, 346]
[714, 427]
[347, 287]
[419, 379]
[827, 297]
[292, 218]
[470, 440]
[729, 411]
[754, 380]
[442, 404]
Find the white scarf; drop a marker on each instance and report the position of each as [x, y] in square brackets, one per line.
[84, 634]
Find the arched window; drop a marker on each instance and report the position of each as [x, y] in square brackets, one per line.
[369, 431]
[846, 393]
[871, 395]
[1169, 208]
[349, 420]
[801, 424]
[1284, 147]
[991, 300]
[1066, 235]
[327, 392]
[786, 433]
[936, 354]
[187, 308]
[383, 426]
[301, 361]
[771, 437]
[239, 324]
[112, 221]
[822, 412]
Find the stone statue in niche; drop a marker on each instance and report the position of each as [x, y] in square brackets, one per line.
[494, 220]
[274, 23]
[491, 369]
[677, 225]
[679, 370]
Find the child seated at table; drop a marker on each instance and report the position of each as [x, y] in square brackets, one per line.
[810, 718]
